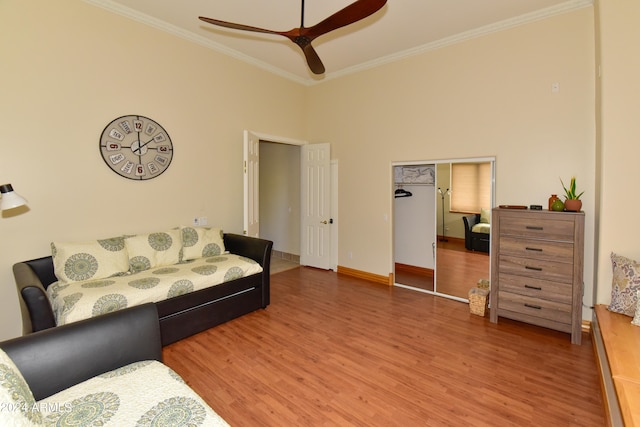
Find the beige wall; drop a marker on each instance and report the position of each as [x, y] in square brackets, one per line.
[490, 96]
[619, 146]
[69, 68]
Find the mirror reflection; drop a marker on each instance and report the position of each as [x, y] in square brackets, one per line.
[442, 223]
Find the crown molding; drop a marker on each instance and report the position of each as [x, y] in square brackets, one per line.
[138, 16]
[538, 15]
[517, 21]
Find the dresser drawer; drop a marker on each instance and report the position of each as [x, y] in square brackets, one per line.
[525, 226]
[536, 288]
[537, 249]
[536, 268]
[535, 307]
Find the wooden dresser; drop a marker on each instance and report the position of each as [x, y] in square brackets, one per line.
[536, 268]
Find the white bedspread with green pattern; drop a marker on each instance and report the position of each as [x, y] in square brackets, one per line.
[141, 394]
[80, 300]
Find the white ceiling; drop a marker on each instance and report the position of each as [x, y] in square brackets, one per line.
[401, 28]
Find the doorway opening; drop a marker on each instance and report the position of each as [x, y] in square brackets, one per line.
[430, 253]
[289, 187]
[279, 196]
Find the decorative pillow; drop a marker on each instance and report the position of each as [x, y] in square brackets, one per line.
[485, 216]
[625, 286]
[636, 318]
[199, 242]
[153, 250]
[97, 259]
[17, 405]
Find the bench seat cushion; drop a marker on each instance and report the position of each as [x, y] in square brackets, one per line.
[621, 342]
[142, 394]
[481, 228]
[81, 300]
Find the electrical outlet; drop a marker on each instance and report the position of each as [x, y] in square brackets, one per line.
[196, 221]
[203, 221]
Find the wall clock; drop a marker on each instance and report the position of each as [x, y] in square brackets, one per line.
[136, 147]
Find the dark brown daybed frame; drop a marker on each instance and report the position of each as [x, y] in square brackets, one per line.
[180, 316]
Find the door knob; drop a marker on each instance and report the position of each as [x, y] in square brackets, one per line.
[324, 222]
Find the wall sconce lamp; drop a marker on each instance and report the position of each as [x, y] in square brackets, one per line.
[10, 199]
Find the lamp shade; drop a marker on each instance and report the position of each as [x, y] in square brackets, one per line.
[10, 199]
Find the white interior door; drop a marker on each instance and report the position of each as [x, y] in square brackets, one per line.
[251, 184]
[316, 219]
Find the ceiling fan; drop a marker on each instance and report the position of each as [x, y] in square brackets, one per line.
[303, 36]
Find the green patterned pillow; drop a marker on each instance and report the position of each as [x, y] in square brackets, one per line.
[97, 259]
[153, 250]
[200, 242]
[17, 405]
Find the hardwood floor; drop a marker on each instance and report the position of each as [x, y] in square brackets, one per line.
[457, 270]
[416, 277]
[332, 350]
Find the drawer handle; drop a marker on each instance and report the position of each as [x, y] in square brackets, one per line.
[537, 288]
[537, 307]
[534, 249]
[531, 227]
[533, 268]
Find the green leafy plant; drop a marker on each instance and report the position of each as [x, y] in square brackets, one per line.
[570, 192]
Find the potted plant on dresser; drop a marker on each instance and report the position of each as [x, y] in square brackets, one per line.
[572, 202]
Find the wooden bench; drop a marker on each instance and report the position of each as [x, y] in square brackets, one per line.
[617, 346]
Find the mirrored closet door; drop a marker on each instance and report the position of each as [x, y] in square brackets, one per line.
[414, 217]
[434, 203]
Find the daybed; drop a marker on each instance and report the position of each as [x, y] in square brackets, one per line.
[476, 233]
[105, 370]
[49, 290]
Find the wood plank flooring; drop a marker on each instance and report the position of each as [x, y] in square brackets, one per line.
[332, 350]
[457, 270]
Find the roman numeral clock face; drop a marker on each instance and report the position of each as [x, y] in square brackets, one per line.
[136, 147]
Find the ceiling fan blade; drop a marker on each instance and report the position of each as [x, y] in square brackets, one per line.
[356, 11]
[313, 60]
[302, 36]
[237, 26]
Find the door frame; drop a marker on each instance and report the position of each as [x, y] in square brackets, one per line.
[491, 159]
[333, 189]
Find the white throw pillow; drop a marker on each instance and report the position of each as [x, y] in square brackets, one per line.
[153, 250]
[96, 259]
[200, 242]
[625, 285]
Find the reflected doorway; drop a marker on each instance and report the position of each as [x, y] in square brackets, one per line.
[430, 251]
